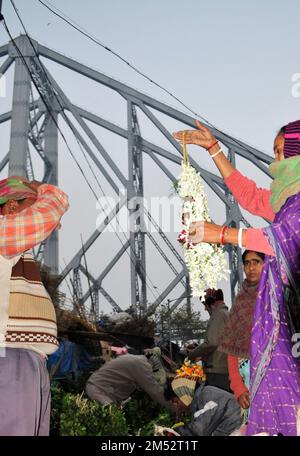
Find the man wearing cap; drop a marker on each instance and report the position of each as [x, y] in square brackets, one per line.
[215, 362]
[30, 212]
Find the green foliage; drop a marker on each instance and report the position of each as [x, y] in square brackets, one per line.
[56, 404]
[142, 414]
[81, 416]
[76, 415]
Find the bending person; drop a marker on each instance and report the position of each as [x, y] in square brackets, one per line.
[116, 380]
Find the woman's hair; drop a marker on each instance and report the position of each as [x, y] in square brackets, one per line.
[282, 130]
[260, 254]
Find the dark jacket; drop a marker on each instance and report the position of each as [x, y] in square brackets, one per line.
[215, 360]
[214, 413]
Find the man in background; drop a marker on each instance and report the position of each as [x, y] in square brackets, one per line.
[214, 361]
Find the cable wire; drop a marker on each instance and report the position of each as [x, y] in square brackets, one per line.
[95, 40]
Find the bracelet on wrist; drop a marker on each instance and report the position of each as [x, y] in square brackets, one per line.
[212, 145]
[222, 235]
[217, 153]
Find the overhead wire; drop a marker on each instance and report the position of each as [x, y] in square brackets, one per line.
[63, 16]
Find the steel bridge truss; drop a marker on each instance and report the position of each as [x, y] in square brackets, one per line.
[32, 123]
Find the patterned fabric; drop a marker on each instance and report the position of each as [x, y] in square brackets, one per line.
[292, 139]
[31, 315]
[184, 388]
[22, 231]
[237, 332]
[13, 188]
[275, 372]
[286, 183]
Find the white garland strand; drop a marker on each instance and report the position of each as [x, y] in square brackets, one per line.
[206, 263]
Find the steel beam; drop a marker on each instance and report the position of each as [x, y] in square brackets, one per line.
[20, 111]
[77, 257]
[51, 251]
[165, 293]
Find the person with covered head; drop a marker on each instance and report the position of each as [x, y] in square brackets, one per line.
[215, 362]
[30, 211]
[275, 367]
[212, 411]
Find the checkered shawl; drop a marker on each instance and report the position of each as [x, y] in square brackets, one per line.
[26, 229]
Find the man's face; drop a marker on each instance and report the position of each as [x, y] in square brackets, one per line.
[253, 267]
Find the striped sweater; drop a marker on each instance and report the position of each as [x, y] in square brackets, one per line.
[32, 319]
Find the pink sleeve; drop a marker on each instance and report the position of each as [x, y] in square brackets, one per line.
[249, 196]
[257, 241]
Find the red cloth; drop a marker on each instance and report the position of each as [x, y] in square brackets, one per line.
[237, 384]
[256, 201]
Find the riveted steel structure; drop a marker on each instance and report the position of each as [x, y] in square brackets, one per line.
[33, 122]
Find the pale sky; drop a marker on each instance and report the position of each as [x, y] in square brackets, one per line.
[232, 62]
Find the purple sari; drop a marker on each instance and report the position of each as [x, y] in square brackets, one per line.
[275, 372]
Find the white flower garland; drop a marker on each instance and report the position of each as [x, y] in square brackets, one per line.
[206, 263]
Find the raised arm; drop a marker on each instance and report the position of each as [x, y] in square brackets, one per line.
[22, 231]
[255, 200]
[245, 191]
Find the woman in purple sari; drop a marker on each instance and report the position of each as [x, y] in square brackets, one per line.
[275, 363]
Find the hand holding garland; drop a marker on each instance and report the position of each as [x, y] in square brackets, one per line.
[205, 231]
[216, 234]
[203, 137]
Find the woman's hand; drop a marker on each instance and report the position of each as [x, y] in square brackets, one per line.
[244, 400]
[202, 136]
[204, 232]
[211, 233]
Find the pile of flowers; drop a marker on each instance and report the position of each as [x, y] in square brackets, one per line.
[191, 371]
[206, 263]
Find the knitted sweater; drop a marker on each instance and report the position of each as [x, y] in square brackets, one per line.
[32, 319]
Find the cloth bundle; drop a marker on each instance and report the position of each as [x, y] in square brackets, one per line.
[14, 188]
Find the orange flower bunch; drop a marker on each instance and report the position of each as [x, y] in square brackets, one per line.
[192, 371]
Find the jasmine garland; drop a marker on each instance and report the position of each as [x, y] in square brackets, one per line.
[206, 263]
